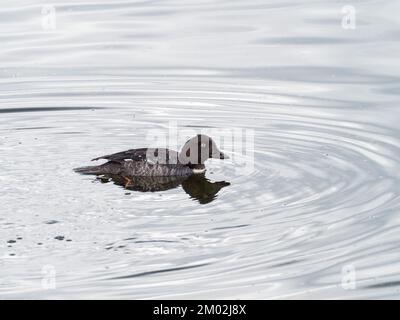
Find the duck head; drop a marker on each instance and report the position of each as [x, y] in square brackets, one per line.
[197, 150]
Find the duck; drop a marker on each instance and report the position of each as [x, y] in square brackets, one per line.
[158, 162]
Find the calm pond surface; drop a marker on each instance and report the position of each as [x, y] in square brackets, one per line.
[316, 215]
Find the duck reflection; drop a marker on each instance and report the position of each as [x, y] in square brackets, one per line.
[197, 186]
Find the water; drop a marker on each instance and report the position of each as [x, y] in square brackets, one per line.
[317, 217]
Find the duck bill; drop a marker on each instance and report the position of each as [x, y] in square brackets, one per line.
[223, 156]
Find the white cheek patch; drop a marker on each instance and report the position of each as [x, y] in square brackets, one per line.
[199, 170]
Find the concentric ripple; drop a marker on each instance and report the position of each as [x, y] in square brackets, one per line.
[311, 208]
[322, 193]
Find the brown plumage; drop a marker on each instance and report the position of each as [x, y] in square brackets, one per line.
[159, 161]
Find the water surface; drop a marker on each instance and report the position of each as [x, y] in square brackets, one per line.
[320, 204]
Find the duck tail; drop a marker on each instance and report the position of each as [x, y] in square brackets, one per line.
[89, 170]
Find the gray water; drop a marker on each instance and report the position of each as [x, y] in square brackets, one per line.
[316, 217]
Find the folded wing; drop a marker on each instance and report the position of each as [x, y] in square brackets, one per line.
[152, 155]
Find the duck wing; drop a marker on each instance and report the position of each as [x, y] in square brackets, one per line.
[132, 154]
[153, 155]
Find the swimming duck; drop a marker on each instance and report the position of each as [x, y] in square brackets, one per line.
[159, 162]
